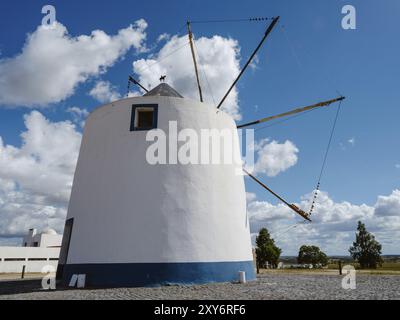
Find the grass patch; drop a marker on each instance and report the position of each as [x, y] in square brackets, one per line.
[386, 266]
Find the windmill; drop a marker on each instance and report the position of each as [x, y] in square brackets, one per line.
[135, 223]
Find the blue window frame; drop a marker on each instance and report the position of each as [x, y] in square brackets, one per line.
[144, 117]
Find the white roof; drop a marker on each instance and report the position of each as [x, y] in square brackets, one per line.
[49, 231]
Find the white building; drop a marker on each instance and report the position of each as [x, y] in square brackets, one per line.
[48, 238]
[37, 251]
[132, 223]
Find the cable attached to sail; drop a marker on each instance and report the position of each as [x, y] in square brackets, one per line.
[316, 191]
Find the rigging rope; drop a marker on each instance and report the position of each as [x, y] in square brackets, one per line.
[287, 229]
[291, 47]
[325, 158]
[233, 20]
[163, 58]
[327, 77]
[204, 73]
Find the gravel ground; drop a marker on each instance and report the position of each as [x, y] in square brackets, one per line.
[267, 286]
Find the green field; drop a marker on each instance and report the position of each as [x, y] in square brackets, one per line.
[386, 266]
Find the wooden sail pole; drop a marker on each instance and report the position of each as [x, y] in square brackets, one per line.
[194, 60]
[131, 79]
[267, 32]
[289, 113]
[296, 209]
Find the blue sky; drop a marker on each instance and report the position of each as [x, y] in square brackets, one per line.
[308, 58]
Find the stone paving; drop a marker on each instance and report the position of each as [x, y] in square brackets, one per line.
[267, 286]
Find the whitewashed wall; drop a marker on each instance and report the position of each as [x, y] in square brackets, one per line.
[128, 211]
[27, 253]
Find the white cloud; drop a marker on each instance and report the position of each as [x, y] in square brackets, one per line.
[82, 113]
[397, 165]
[250, 196]
[52, 63]
[388, 205]
[36, 178]
[79, 115]
[351, 141]
[218, 59]
[254, 63]
[334, 223]
[104, 92]
[162, 37]
[274, 157]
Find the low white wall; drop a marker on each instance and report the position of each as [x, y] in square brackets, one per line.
[27, 256]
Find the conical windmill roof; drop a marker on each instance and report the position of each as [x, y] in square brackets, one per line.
[164, 90]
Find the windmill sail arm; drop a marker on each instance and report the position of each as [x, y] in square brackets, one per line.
[134, 81]
[194, 60]
[296, 209]
[289, 113]
[266, 34]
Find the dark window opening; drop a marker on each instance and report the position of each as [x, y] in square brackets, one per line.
[64, 247]
[36, 244]
[144, 117]
[14, 259]
[37, 259]
[53, 259]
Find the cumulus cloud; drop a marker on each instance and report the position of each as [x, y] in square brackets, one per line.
[76, 111]
[36, 178]
[334, 223]
[274, 157]
[388, 205]
[218, 60]
[79, 115]
[52, 63]
[104, 92]
[250, 196]
[163, 36]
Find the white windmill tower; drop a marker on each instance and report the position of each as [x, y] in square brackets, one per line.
[133, 223]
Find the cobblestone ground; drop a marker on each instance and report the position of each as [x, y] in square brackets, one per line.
[267, 286]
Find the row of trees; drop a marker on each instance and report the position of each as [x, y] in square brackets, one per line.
[365, 250]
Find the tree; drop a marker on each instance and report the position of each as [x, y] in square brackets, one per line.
[266, 250]
[366, 250]
[312, 255]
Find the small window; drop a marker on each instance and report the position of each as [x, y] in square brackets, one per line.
[36, 244]
[144, 117]
[25, 244]
[37, 259]
[14, 259]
